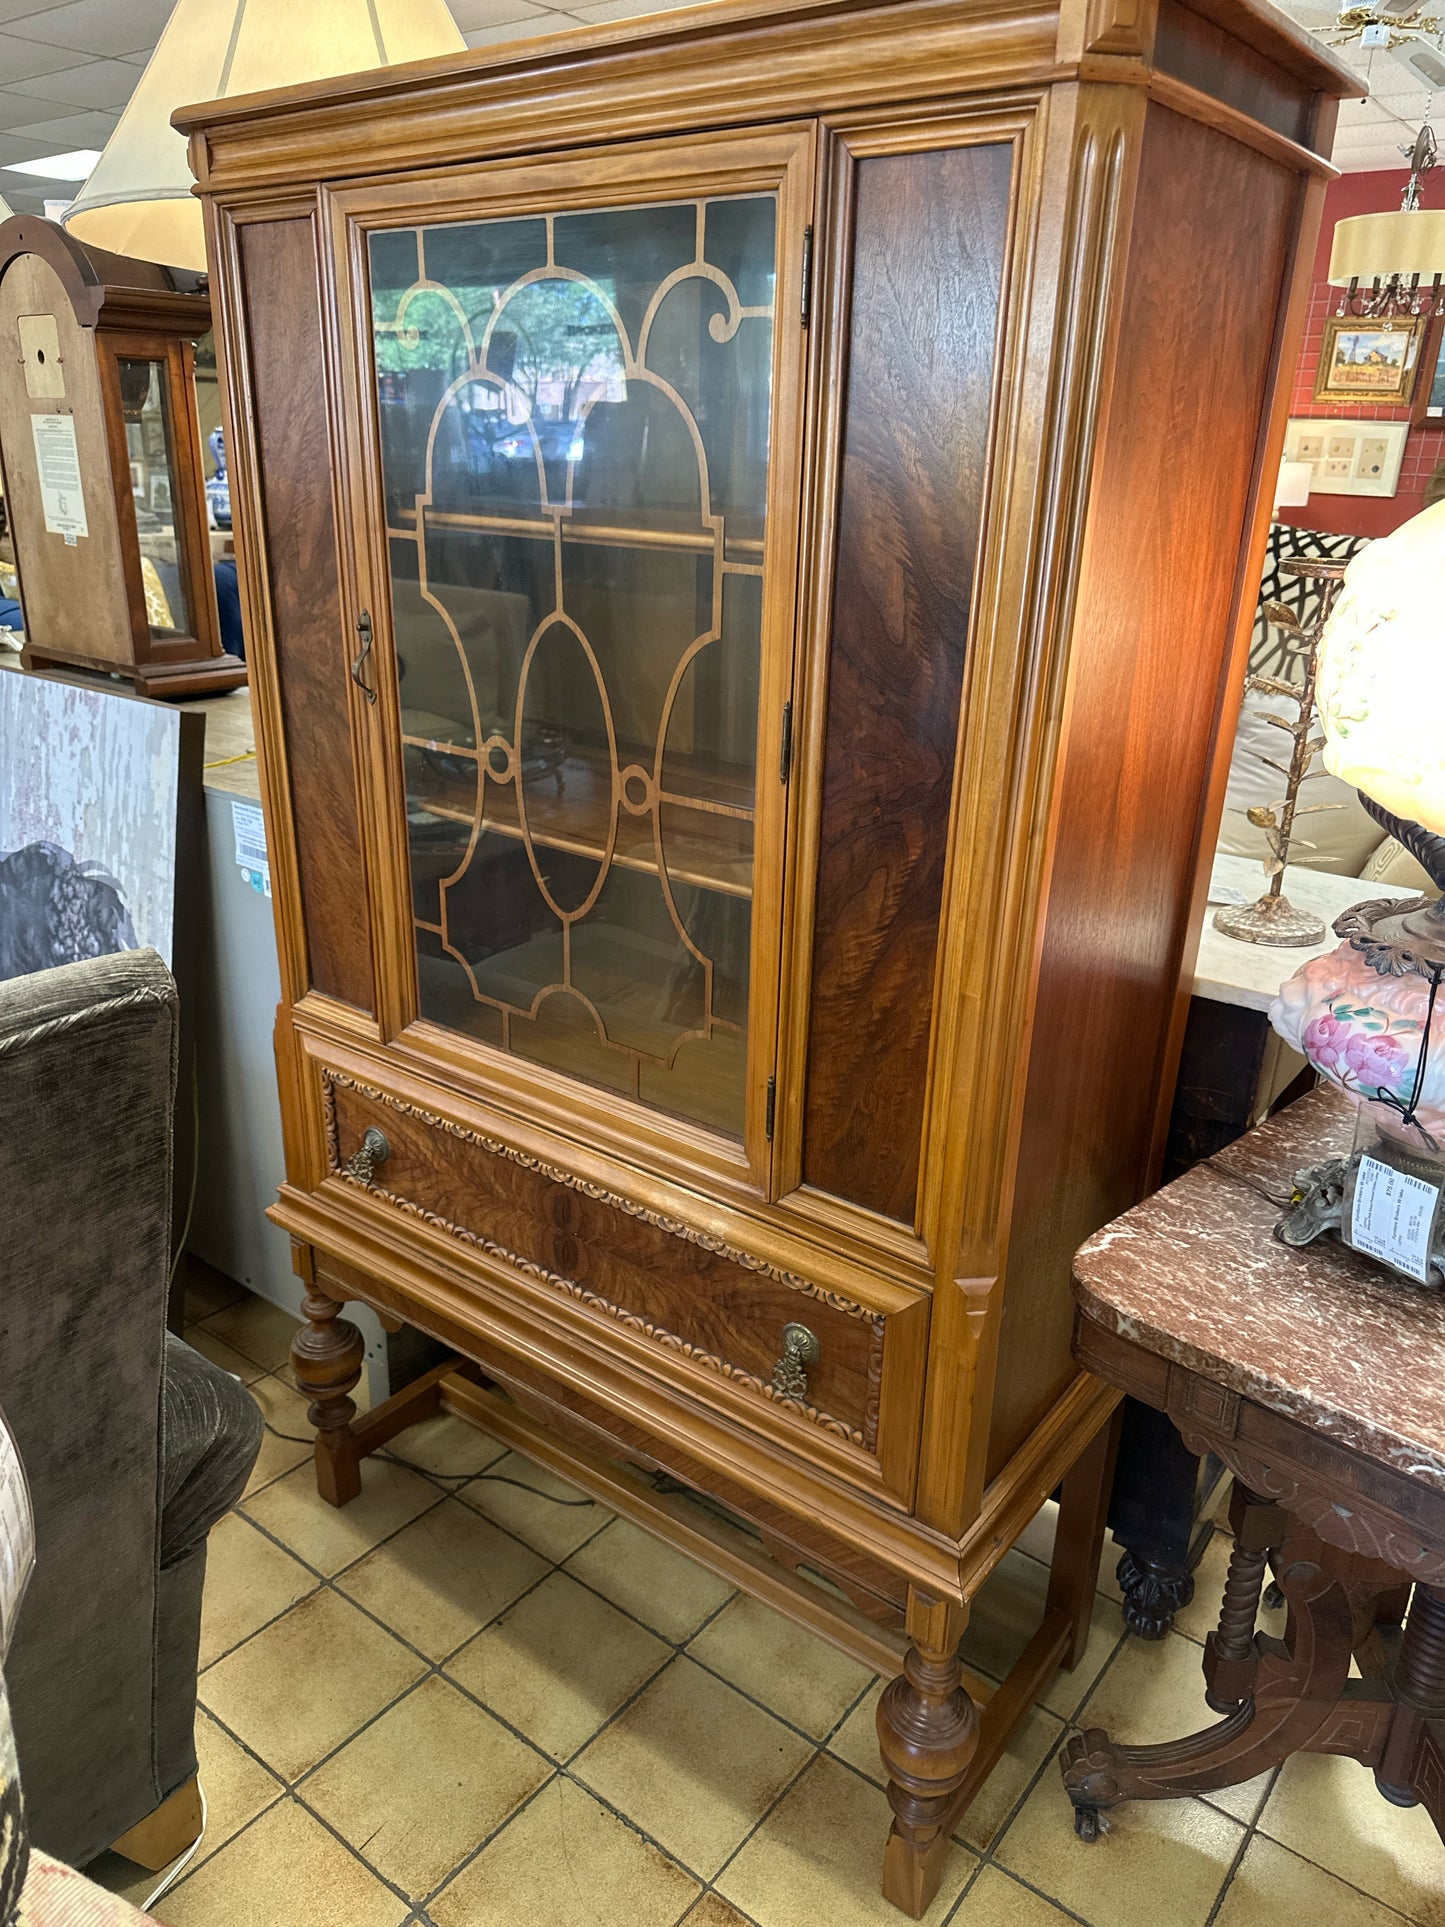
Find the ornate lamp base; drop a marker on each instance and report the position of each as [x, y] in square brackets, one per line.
[1270, 920]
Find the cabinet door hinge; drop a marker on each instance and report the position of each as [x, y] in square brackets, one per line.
[805, 306]
[785, 746]
[772, 1104]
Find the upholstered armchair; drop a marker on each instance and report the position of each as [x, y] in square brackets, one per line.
[134, 1444]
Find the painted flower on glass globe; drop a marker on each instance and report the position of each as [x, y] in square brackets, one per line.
[1362, 1031]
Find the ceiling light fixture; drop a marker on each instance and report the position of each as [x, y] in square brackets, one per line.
[73, 166]
[1393, 264]
[138, 201]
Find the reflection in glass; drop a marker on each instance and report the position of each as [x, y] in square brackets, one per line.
[574, 416]
[149, 447]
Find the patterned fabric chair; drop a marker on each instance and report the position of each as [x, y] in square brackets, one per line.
[134, 1444]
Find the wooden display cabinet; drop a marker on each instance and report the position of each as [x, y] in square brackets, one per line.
[101, 452]
[748, 518]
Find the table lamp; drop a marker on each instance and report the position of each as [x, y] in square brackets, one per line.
[1368, 1015]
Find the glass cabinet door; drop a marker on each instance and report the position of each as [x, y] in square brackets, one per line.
[575, 411]
[150, 445]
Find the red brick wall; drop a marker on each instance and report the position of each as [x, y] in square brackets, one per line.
[1376, 193]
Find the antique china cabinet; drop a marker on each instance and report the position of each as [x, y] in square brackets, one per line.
[743, 519]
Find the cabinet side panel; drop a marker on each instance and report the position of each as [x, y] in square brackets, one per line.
[1202, 309]
[927, 271]
[1203, 55]
[283, 318]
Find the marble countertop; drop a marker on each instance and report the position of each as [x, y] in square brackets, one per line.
[1249, 974]
[1195, 1275]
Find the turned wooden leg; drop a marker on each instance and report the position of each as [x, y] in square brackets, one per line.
[1418, 1684]
[927, 1732]
[164, 1835]
[1229, 1652]
[327, 1354]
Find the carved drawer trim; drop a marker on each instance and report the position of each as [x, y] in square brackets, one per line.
[866, 1438]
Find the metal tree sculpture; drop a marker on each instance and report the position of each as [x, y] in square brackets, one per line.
[1272, 918]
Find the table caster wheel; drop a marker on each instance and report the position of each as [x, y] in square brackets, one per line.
[1087, 1824]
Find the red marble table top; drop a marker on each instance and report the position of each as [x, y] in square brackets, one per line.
[1195, 1275]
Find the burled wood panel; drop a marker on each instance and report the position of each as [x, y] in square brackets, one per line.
[682, 1289]
[927, 273]
[310, 643]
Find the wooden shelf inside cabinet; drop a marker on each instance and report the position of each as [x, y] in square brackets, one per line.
[706, 829]
[741, 552]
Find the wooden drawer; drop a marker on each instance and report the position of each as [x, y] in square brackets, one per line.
[680, 1289]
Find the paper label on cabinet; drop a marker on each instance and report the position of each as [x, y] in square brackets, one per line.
[58, 462]
[17, 1536]
[248, 825]
[1392, 1217]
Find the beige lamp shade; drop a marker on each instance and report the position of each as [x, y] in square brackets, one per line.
[138, 200]
[5, 209]
[1372, 247]
[1381, 688]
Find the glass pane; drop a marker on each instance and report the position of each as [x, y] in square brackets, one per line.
[145, 406]
[574, 420]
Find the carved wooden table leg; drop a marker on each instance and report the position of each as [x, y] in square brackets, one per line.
[327, 1354]
[1411, 1768]
[1229, 1654]
[927, 1731]
[1151, 1513]
[1296, 1705]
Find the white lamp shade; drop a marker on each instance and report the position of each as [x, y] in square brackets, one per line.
[1372, 247]
[1292, 490]
[1381, 688]
[138, 199]
[5, 209]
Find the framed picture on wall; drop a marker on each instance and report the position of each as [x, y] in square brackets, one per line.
[1370, 361]
[1430, 384]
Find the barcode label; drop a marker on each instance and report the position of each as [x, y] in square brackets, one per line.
[249, 826]
[1392, 1217]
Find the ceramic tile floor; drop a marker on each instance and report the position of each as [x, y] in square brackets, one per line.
[471, 1703]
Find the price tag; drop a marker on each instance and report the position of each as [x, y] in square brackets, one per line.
[249, 826]
[17, 1536]
[1392, 1217]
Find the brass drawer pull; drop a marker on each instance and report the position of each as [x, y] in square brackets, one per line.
[800, 1350]
[375, 1150]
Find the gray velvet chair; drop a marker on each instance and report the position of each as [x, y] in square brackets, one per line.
[133, 1443]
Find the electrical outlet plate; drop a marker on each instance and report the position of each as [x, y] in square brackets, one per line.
[1348, 457]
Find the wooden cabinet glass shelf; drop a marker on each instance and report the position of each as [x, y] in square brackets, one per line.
[741, 540]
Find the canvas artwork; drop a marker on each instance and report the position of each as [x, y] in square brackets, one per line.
[1369, 361]
[88, 813]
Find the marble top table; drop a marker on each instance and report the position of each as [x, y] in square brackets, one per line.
[1319, 1379]
[1229, 971]
[1322, 1336]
